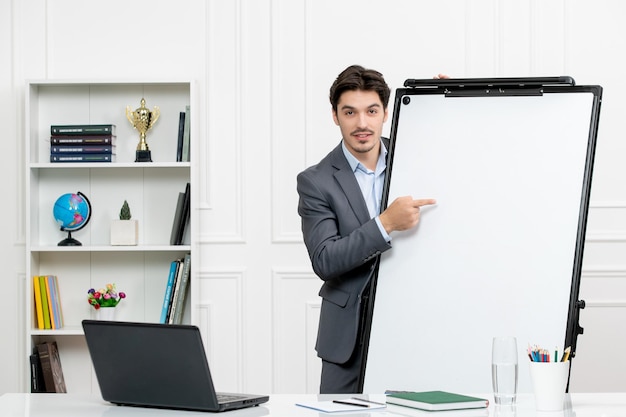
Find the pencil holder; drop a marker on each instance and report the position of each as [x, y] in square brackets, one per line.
[549, 380]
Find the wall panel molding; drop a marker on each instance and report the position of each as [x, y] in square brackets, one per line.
[222, 196]
[20, 314]
[288, 129]
[604, 286]
[604, 304]
[313, 363]
[607, 236]
[221, 315]
[16, 78]
[606, 222]
[604, 271]
[295, 312]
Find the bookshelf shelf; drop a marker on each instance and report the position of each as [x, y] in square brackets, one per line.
[65, 331]
[112, 165]
[102, 248]
[150, 188]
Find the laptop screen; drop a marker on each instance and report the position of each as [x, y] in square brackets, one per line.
[150, 364]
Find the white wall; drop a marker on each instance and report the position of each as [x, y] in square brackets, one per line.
[263, 68]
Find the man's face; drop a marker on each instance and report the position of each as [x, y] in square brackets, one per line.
[360, 116]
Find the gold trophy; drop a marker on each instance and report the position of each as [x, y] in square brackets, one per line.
[142, 119]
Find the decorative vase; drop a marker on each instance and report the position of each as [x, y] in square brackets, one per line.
[124, 232]
[105, 313]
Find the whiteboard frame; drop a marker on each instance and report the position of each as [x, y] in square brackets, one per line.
[493, 89]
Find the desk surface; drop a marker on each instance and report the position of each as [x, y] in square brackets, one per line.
[283, 405]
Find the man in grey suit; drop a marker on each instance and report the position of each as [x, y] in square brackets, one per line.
[343, 228]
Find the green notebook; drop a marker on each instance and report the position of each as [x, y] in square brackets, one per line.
[435, 400]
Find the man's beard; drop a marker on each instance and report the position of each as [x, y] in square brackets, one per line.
[358, 145]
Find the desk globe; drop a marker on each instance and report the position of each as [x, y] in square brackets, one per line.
[72, 212]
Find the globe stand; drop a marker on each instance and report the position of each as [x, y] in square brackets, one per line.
[69, 241]
[71, 216]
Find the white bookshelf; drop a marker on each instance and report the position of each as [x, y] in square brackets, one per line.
[151, 189]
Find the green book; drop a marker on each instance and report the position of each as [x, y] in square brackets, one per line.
[435, 400]
[44, 302]
[83, 129]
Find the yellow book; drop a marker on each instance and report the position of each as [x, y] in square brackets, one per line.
[38, 307]
[44, 302]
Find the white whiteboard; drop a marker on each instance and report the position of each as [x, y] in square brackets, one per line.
[495, 256]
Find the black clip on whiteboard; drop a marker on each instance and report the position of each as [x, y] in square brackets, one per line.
[510, 163]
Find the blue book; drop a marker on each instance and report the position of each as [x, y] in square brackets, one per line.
[58, 299]
[54, 300]
[82, 149]
[167, 299]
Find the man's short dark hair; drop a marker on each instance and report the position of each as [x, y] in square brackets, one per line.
[355, 77]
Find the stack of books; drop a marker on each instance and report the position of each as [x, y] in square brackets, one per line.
[82, 143]
[176, 291]
[46, 370]
[47, 302]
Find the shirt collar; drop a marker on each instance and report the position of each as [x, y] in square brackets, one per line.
[355, 164]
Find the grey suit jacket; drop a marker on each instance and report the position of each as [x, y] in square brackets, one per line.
[343, 243]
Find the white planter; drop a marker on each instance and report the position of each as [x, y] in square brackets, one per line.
[124, 232]
[105, 313]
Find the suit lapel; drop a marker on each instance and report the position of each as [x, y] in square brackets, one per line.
[350, 187]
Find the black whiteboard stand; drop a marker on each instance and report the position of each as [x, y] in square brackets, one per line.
[510, 163]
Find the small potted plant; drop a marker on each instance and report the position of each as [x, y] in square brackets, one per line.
[105, 300]
[124, 231]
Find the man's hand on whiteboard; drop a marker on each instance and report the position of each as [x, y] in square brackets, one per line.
[403, 213]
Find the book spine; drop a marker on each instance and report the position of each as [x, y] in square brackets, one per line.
[175, 291]
[50, 302]
[36, 376]
[38, 305]
[182, 291]
[57, 370]
[187, 136]
[82, 157]
[58, 294]
[82, 140]
[46, 366]
[71, 149]
[44, 302]
[177, 215]
[82, 129]
[54, 300]
[168, 292]
[184, 219]
[181, 132]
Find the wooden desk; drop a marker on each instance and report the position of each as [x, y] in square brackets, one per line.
[283, 405]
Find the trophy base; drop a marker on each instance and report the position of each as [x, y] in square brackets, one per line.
[143, 156]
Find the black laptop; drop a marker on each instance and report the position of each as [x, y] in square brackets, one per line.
[156, 365]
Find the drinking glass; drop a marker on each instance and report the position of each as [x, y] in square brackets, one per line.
[504, 369]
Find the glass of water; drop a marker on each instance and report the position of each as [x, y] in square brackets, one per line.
[504, 369]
